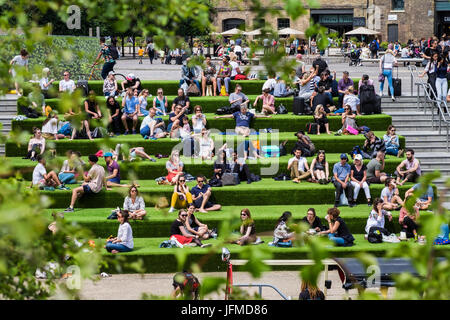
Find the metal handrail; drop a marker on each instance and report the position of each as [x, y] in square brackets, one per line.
[260, 287]
[431, 99]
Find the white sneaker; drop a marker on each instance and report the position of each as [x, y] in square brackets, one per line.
[179, 245]
[172, 209]
[393, 98]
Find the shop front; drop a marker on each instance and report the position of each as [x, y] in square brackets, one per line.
[335, 20]
[442, 21]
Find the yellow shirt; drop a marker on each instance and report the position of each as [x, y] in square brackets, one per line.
[140, 52]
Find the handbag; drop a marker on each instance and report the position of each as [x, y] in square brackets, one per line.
[381, 77]
[352, 130]
[282, 109]
[230, 179]
[193, 90]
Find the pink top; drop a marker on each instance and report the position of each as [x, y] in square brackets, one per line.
[268, 100]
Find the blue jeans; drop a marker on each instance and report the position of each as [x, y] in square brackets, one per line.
[107, 67]
[109, 94]
[337, 240]
[387, 73]
[144, 112]
[145, 131]
[393, 151]
[117, 246]
[67, 178]
[226, 81]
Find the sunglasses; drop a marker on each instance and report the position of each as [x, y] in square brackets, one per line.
[243, 214]
[65, 74]
[159, 92]
[183, 215]
[200, 181]
[182, 180]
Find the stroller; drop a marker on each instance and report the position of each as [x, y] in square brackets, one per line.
[354, 57]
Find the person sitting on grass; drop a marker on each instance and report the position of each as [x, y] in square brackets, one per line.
[392, 143]
[134, 204]
[425, 200]
[282, 232]
[113, 179]
[247, 229]
[160, 103]
[237, 98]
[341, 181]
[124, 240]
[352, 100]
[50, 127]
[348, 118]
[320, 117]
[372, 145]
[71, 167]
[412, 167]
[114, 116]
[305, 144]
[151, 128]
[313, 220]
[320, 168]
[93, 183]
[337, 229]
[358, 178]
[176, 121]
[268, 102]
[195, 227]
[238, 165]
[180, 234]
[201, 194]
[409, 221]
[36, 143]
[43, 179]
[377, 218]
[174, 167]
[298, 167]
[181, 100]
[243, 119]
[390, 196]
[181, 197]
[375, 168]
[131, 110]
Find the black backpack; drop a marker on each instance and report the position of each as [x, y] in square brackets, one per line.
[114, 52]
[375, 237]
[312, 128]
[373, 46]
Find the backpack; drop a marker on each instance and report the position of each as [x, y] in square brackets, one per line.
[373, 46]
[375, 237]
[282, 109]
[114, 52]
[312, 128]
[66, 129]
[193, 90]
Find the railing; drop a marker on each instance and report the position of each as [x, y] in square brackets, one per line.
[260, 287]
[430, 98]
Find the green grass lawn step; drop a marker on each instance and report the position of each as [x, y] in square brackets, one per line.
[329, 143]
[282, 122]
[159, 260]
[153, 170]
[157, 222]
[170, 87]
[265, 192]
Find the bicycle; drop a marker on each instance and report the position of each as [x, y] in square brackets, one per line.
[94, 73]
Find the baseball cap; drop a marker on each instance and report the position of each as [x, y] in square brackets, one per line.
[344, 156]
[131, 76]
[357, 157]
[299, 56]
[108, 154]
[110, 73]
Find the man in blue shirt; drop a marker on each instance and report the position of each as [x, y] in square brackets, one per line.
[201, 194]
[243, 119]
[341, 181]
[424, 201]
[131, 110]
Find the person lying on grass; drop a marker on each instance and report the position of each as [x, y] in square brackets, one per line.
[124, 240]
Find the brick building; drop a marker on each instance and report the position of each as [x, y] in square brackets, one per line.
[395, 19]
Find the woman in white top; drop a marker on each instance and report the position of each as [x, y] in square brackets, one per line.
[134, 204]
[377, 218]
[50, 128]
[387, 63]
[44, 83]
[198, 120]
[36, 142]
[206, 145]
[235, 66]
[110, 85]
[304, 85]
[124, 240]
[143, 112]
[22, 61]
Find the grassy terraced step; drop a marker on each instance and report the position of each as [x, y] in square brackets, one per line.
[265, 192]
[163, 260]
[157, 222]
[152, 170]
[329, 143]
[170, 87]
[283, 122]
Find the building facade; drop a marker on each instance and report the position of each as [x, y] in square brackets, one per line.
[395, 19]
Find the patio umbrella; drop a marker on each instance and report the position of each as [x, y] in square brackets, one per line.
[255, 32]
[362, 31]
[289, 31]
[231, 32]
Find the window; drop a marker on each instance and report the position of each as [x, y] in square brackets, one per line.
[229, 24]
[398, 4]
[284, 23]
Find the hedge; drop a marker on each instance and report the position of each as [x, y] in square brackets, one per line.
[329, 143]
[264, 192]
[170, 87]
[282, 122]
[152, 170]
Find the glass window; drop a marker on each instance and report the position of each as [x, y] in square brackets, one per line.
[284, 23]
[398, 4]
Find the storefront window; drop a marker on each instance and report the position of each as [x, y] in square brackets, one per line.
[284, 23]
[398, 4]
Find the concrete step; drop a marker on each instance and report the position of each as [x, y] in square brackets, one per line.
[429, 144]
[425, 136]
[412, 126]
[404, 99]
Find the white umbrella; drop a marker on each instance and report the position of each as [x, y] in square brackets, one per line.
[289, 31]
[255, 32]
[362, 30]
[231, 32]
